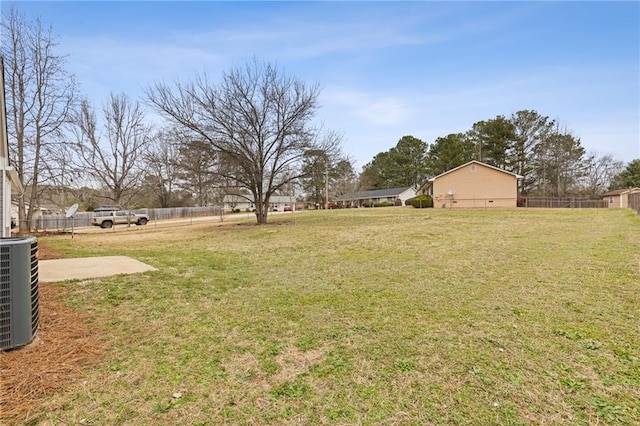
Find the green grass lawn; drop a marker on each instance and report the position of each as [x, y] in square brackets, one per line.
[392, 316]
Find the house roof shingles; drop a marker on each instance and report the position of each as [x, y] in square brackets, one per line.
[378, 193]
[621, 191]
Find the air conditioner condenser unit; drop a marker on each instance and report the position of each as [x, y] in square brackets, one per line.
[19, 303]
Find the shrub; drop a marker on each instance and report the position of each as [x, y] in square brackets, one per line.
[383, 204]
[420, 202]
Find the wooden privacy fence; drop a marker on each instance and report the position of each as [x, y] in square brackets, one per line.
[634, 202]
[564, 203]
[53, 222]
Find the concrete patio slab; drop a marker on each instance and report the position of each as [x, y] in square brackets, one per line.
[89, 267]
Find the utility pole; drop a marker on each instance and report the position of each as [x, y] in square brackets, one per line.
[326, 188]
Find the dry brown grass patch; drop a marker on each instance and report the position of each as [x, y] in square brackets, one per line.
[294, 362]
[45, 252]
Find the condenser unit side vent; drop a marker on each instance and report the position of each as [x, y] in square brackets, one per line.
[35, 293]
[5, 297]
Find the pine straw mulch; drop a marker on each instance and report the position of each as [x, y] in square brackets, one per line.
[63, 346]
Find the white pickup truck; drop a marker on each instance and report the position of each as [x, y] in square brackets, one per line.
[108, 219]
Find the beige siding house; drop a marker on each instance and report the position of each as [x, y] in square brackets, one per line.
[394, 196]
[473, 184]
[619, 199]
[244, 203]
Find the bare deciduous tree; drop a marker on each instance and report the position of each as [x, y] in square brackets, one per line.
[559, 163]
[40, 94]
[256, 118]
[115, 159]
[347, 182]
[320, 170]
[161, 172]
[62, 175]
[530, 129]
[197, 170]
[601, 171]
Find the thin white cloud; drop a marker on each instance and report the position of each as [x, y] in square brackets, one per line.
[300, 42]
[370, 108]
[309, 35]
[107, 64]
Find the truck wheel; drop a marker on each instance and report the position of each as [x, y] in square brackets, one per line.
[142, 221]
[106, 224]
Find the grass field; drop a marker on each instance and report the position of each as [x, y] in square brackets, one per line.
[392, 316]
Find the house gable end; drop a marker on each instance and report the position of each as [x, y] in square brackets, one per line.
[474, 184]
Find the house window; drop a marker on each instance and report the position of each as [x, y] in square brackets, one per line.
[473, 168]
[610, 200]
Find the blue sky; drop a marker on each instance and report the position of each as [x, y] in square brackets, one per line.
[386, 69]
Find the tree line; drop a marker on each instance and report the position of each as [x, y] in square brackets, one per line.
[550, 159]
[249, 134]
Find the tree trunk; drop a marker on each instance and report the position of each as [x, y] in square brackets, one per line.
[262, 210]
[23, 227]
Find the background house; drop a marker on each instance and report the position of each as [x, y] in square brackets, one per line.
[245, 203]
[473, 184]
[366, 198]
[619, 198]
